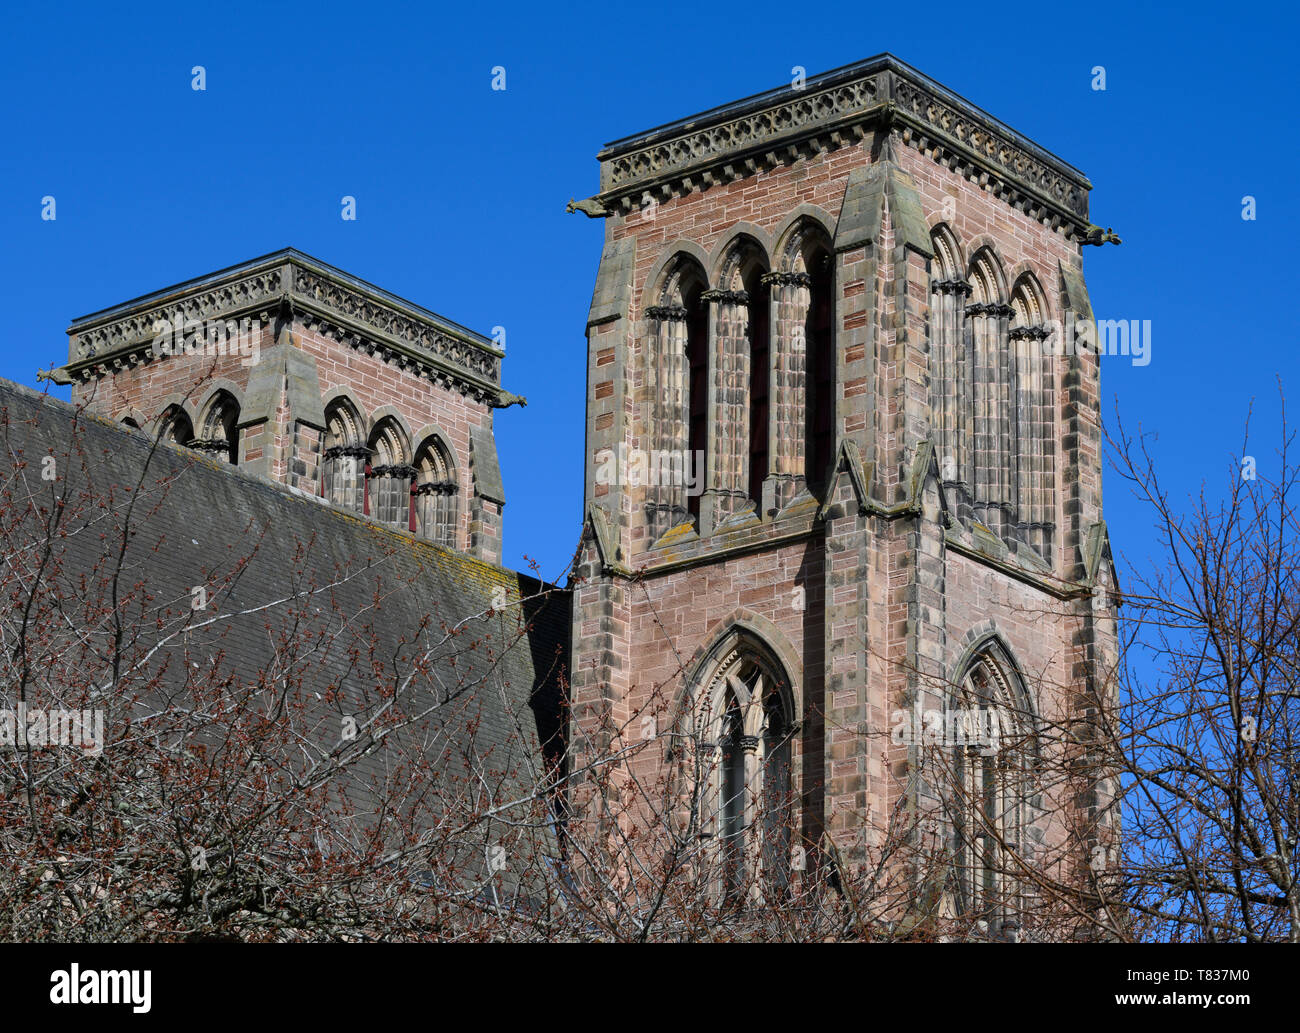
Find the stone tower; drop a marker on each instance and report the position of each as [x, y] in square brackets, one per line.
[842, 465]
[324, 383]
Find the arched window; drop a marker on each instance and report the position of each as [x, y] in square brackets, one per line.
[949, 370]
[988, 366]
[742, 375]
[803, 363]
[389, 474]
[345, 457]
[697, 366]
[760, 376]
[435, 494]
[218, 433]
[820, 399]
[677, 382]
[741, 769]
[1035, 375]
[991, 723]
[174, 425]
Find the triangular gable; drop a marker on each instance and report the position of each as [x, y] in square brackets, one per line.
[602, 533]
[1096, 553]
[848, 460]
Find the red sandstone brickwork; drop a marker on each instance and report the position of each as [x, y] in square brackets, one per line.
[143, 392]
[914, 601]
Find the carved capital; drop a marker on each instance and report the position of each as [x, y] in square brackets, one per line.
[351, 451]
[436, 488]
[787, 279]
[726, 297]
[666, 313]
[958, 287]
[393, 470]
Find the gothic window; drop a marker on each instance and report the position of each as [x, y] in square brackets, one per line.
[991, 727]
[389, 475]
[697, 362]
[802, 363]
[949, 373]
[435, 495]
[218, 434]
[741, 376]
[677, 383]
[743, 731]
[760, 314]
[988, 367]
[820, 397]
[732, 833]
[345, 457]
[174, 426]
[1035, 374]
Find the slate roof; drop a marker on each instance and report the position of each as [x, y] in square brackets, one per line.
[198, 522]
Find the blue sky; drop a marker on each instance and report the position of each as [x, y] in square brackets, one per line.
[461, 189]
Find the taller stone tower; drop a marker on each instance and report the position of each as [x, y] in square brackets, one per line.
[842, 468]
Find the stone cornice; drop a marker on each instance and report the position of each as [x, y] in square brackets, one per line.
[320, 296]
[838, 109]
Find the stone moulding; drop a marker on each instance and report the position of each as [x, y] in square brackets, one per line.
[835, 110]
[320, 297]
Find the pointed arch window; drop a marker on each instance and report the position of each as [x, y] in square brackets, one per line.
[344, 458]
[760, 376]
[389, 475]
[678, 394]
[218, 434]
[435, 495]
[803, 363]
[949, 367]
[988, 373]
[820, 399]
[741, 366]
[174, 425]
[744, 732]
[1035, 397]
[697, 366]
[992, 726]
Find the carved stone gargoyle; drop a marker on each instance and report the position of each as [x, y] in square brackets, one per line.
[591, 208]
[1098, 236]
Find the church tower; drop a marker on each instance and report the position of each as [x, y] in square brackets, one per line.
[320, 381]
[842, 470]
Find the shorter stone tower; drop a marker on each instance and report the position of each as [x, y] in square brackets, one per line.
[302, 373]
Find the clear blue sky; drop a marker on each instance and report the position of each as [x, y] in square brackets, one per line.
[461, 190]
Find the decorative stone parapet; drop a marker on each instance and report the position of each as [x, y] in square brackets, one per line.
[289, 284]
[834, 110]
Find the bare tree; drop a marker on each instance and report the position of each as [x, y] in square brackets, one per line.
[1206, 741]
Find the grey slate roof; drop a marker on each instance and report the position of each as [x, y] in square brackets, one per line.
[195, 521]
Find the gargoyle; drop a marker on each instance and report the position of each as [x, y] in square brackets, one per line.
[591, 208]
[1098, 236]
